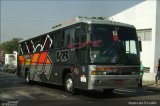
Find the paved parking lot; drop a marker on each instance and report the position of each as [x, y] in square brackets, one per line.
[15, 89]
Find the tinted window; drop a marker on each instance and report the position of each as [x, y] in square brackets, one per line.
[24, 49]
[52, 35]
[69, 36]
[116, 44]
[58, 39]
[80, 34]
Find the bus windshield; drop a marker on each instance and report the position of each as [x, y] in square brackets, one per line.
[116, 45]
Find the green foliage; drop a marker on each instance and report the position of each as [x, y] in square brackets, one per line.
[10, 46]
[101, 18]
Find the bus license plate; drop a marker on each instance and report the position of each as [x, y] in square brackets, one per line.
[119, 82]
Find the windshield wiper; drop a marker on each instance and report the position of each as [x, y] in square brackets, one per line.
[118, 53]
[111, 53]
[106, 51]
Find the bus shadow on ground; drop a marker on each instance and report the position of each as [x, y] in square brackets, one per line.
[117, 93]
[47, 85]
[121, 93]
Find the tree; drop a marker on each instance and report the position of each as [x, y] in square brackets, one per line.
[10, 46]
[101, 18]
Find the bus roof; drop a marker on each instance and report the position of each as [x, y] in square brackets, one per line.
[83, 20]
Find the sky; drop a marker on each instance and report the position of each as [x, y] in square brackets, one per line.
[25, 19]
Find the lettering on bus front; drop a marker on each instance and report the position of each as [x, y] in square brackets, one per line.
[62, 56]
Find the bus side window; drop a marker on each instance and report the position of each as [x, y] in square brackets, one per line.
[69, 36]
[37, 43]
[24, 48]
[72, 35]
[45, 41]
[58, 39]
[19, 49]
[62, 40]
[30, 46]
[43, 38]
[80, 34]
[46, 45]
[52, 35]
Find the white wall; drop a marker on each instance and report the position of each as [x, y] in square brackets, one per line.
[144, 16]
[145, 55]
[157, 37]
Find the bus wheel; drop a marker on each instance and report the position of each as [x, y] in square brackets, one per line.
[27, 78]
[69, 85]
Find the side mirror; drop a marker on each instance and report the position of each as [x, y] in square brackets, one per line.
[140, 45]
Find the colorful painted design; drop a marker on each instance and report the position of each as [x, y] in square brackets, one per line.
[28, 61]
[37, 58]
[35, 47]
[34, 58]
[21, 59]
[39, 64]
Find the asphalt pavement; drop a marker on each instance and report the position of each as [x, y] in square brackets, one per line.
[15, 92]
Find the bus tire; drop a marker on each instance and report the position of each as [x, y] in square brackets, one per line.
[27, 78]
[69, 85]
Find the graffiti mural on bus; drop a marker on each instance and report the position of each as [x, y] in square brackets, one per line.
[32, 46]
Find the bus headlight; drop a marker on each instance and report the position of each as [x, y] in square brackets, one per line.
[98, 73]
[104, 73]
[94, 73]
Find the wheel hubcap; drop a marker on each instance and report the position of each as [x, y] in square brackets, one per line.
[69, 84]
[27, 78]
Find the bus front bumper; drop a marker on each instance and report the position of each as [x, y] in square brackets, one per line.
[99, 82]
